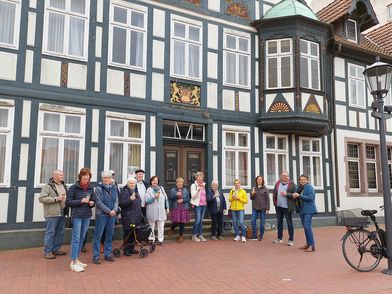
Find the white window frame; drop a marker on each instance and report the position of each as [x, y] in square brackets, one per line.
[129, 7]
[237, 52]
[358, 161]
[275, 151]
[67, 14]
[374, 162]
[9, 132]
[389, 13]
[15, 44]
[236, 149]
[357, 80]
[312, 154]
[125, 118]
[187, 42]
[356, 31]
[61, 136]
[309, 57]
[279, 57]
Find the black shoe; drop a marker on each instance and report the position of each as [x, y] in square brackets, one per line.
[59, 253]
[49, 256]
[109, 258]
[84, 250]
[96, 260]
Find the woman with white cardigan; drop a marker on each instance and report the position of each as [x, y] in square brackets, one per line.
[199, 204]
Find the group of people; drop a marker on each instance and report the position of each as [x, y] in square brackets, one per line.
[140, 201]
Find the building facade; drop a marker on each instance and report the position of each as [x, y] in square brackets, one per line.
[235, 88]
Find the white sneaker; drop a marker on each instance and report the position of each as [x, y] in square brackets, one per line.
[76, 268]
[277, 241]
[243, 239]
[202, 238]
[237, 238]
[290, 243]
[195, 239]
[83, 265]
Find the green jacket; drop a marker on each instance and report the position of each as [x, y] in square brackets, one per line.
[48, 196]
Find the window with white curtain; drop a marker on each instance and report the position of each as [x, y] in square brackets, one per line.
[236, 158]
[276, 157]
[353, 165]
[351, 30]
[310, 65]
[279, 63]
[186, 50]
[236, 60]
[310, 152]
[60, 145]
[128, 29]
[356, 84]
[6, 133]
[66, 28]
[9, 23]
[371, 167]
[124, 147]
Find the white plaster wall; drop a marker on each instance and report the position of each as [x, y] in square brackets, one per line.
[158, 57]
[352, 118]
[77, 76]
[372, 121]
[31, 29]
[256, 132]
[152, 131]
[340, 91]
[23, 161]
[256, 73]
[95, 126]
[215, 137]
[98, 42]
[269, 98]
[213, 36]
[339, 67]
[341, 118]
[244, 101]
[320, 202]
[319, 100]
[33, 3]
[159, 23]
[99, 10]
[4, 205]
[212, 69]
[228, 100]
[94, 164]
[97, 77]
[214, 5]
[21, 203]
[115, 82]
[28, 78]
[257, 11]
[50, 72]
[257, 166]
[212, 95]
[215, 168]
[289, 98]
[362, 120]
[8, 63]
[38, 209]
[137, 86]
[152, 163]
[26, 118]
[158, 87]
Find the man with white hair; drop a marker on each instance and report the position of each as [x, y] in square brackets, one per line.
[141, 188]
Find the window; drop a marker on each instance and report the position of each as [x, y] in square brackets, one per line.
[6, 134]
[276, 156]
[60, 145]
[128, 37]
[310, 65]
[371, 167]
[389, 12]
[236, 56]
[356, 84]
[124, 146]
[236, 158]
[351, 30]
[279, 63]
[183, 131]
[9, 23]
[311, 160]
[353, 167]
[66, 28]
[186, 48]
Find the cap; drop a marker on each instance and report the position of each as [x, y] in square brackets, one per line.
[139, 171]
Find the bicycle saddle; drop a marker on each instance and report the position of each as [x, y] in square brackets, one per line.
[368, 212]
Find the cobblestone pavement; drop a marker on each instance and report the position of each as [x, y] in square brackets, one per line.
[208, 267]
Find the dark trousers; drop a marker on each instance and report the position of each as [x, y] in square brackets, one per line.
[216, 225]
[181, 225]
[280, 213]
[144, 211]
[129, 244]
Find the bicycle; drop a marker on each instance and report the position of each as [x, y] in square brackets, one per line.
[364, 249]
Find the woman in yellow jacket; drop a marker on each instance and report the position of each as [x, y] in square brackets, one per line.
[238, 199]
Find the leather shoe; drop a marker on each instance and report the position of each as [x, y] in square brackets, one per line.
[180, 239]
[49, 256]
[306, 246]
[109, 258]
[96, 260]
[59, 253]
[310, 249]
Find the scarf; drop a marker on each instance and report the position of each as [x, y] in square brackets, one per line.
[84, 186]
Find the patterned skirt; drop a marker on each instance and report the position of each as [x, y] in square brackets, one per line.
[179, 215]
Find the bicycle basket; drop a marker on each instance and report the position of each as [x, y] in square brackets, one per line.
[351, 218]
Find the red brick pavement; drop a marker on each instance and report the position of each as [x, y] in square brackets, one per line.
[211, 267]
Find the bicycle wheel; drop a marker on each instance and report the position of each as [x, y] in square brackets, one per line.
[362, 250]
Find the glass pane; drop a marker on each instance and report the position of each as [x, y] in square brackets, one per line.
[119, 45]
[271, 169]
[353, 174]
[243, 167]
[272, 47]
[198, 133]
[243, 140]
[72, 125]
[361, 93]
[244, 70]
[168, 130]
[315, 74]
[230, 167]
[305, 145]
[231, 42]
[7, 22]
[351, 30]
[56, 32]
[314, 49]
[179, 58]
[230, 139]
[353, 71]
[304, 72]
[271, 142]
[116, 159]
[137, 19]
[194, 34]
[134, 130]
[137, 42]
[60, 4]
[316, 146]
[51, 122]
[184, 129]
[281, 143]
[285, 46]
[281, 163]
[71, 160]
[370, 152]
[304, 47]
[134, 157]
[49, 158]
[3, 145]
[120, 14]
[243, 44]
[316, 171]
[231, 68]
[389, 150]
[76, 36]
[194, 65]
[353, 150]
[3, 118]
[353, 94]
[371, 175]
[117, 128]
[286, 71]
[306, 170]
[179, 30]
[272, 72]
[79, 7]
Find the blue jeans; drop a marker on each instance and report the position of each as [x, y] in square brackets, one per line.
[255, 215]
[54, 233]
[199, 216]
[306, 220]
[103, 222]
[238, 216]
[79, 230]
[280, 213]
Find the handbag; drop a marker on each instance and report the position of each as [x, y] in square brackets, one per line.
[249, 232]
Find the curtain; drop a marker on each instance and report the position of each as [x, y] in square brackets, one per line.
[72, 124]
[137, 42]
[243, 70]
[3, 146]
[137, 19]
[230, 139]
[49, 158]
[194, 65]
[315, 74]
[116, 159]
[7, 22]
[71, 160]
[76, 36]
[230, 167]
[119, 45]
[317, 171]
[116, 128]
[134, 157]
[78, 6]
[60, 4]
[230, 68]
[272, 72]
[179, 58]
[134, 130]
[3, 118]
[120, 15]
[286, 71]
[243, 167]
[306, 167]
[304, 72]
[51, 122]
[56, 32]
[271, 168]
[281, 163]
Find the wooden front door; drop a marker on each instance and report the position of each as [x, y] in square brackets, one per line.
[184, 162]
